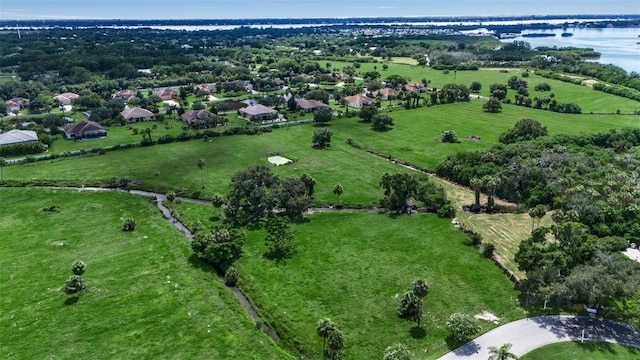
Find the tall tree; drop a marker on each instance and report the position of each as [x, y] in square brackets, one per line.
[322, 138]
[398, 189]
[501, 353]
[490, 185]
[421, 290]
[309, 183]
[476, 185]
[409, 307]
[337, 191]
[201, 167]
[279, 236]
[323, 329]
[335, 342]
[218, 201]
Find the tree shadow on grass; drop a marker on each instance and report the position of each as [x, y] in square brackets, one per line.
[460, 348]
[72, 300]
[280, 257]
[418, 332]
[198, 263]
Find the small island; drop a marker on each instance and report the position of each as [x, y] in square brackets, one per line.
[566, 34]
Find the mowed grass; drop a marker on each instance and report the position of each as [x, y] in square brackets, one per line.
[588, 99]
[353, 267]
[357, 171]
[505, 231]
[584, 351]
[144, 299]
[415, 136]
[123, 134]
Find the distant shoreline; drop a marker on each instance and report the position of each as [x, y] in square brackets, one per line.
[436, 21]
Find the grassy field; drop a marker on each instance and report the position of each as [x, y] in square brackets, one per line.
[588, 99]
[357, 171]
[145, 297]
[415, 136]
[118, 134]
[353, 268]
[585, 351]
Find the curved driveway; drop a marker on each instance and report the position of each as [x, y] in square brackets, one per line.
[531, 333]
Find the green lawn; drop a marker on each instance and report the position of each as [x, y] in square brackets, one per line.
[145, 297]
[353, 267]
[416, 134]
[118, 135]
[357, 171]
[585, 351]
[588, 99]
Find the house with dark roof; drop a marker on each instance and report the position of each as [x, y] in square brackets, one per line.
[167, 94]
[66, 98]
[358, 101]
[258, 112]
[124, 95]
[312, 105]
[385, 93]
[205, 88]
[137, 114]
[416, 87]
[13, 137]
[200, 118]
[84, 130]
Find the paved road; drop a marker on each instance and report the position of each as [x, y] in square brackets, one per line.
[528, 334]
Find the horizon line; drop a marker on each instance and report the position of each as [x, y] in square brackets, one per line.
[332, 17]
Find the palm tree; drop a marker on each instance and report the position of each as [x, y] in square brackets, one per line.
[476, 185]
[324, 328]
[420, 290]
[3, 163]
[201, 167]
[490, 184]
[501, 353]
[337, 191]
[217, 201]
[335, 342]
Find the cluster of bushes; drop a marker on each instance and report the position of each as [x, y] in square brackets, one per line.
[618, 90]
[455, 67]
[586, 173]
[34, 147]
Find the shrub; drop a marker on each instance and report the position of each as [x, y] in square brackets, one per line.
[129, 224]
[232, 276]
[488, 250]
[78, 268]
[449, 136]
[542, 87]
[74, 285]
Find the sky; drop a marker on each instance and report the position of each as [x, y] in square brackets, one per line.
[251, 9]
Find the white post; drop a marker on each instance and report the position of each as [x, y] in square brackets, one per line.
[582, 339]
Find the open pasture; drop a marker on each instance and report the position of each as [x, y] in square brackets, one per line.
[145, 297]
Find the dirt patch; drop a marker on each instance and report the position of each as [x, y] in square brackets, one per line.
[487, 316]
[589, 83]
[279, 160]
